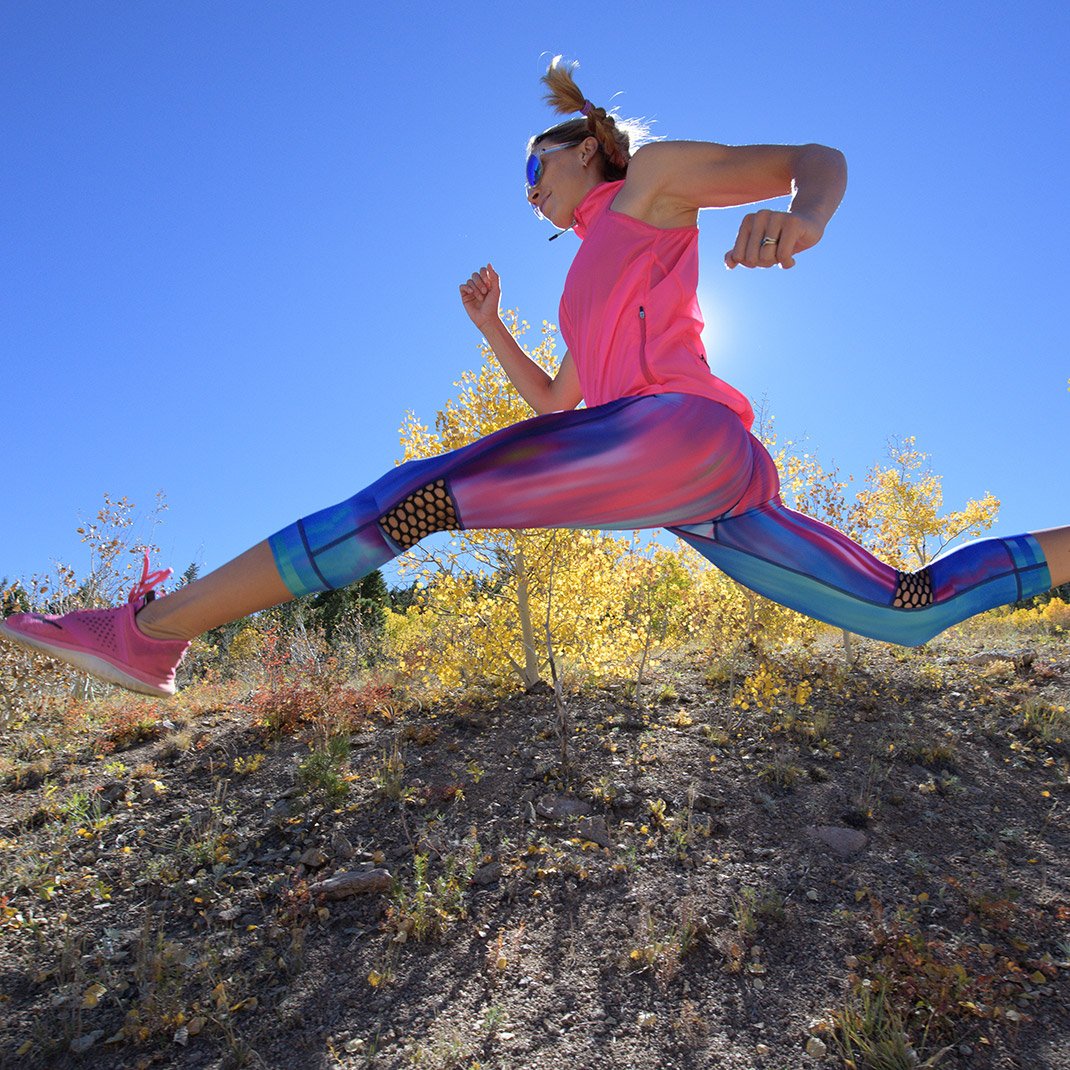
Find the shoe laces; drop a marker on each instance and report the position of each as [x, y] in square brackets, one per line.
[149, 580]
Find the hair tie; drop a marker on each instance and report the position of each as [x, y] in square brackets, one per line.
[587, 108]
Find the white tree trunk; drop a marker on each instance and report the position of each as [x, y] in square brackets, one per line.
[527, 631]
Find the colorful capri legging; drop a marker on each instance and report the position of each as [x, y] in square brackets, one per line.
[671, 460]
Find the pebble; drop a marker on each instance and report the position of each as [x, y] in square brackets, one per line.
[706, 804]
[341, 847]
[343, 885]
[113, 791]
[844, 843]
[557, 807]
[816, 1049]
[595, 830]
[82, 1044]
[314, 858]
[487, 874]
[762, 1049]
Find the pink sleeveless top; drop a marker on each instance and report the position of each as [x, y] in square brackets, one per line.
[629, 311]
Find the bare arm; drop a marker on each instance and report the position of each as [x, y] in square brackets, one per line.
[668, 182]
[481, 295]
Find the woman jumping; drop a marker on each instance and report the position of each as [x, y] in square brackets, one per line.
[661, 443]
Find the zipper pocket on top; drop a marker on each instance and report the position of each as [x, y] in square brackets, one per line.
[645, 368]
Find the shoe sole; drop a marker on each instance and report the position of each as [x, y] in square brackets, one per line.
[90, 663]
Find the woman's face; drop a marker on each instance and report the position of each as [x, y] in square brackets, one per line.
[566, 173]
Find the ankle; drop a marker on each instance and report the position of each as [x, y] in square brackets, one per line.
[156, 629]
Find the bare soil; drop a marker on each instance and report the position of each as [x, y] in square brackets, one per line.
[704, 886]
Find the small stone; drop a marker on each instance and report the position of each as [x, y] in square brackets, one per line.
[113, 791]
[595, 830]
[646, 1020]
[487, 874]
[82, 1044]
[816, 1049]
[145, 791]
[557, 807]
[706, 804]
[966, 1050]
[813, 895]
[341, 847]
[314, 858]
[353, 1046]
[762, 1049]
[343, 885]
[844, 843]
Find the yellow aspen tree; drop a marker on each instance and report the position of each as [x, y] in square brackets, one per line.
[897, 514]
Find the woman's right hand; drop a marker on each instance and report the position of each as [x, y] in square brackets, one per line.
[481, 295]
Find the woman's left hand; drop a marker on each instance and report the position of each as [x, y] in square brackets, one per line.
[792, 233]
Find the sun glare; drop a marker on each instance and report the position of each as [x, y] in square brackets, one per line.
[718, 335]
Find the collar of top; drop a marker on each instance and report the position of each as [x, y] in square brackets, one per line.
[593, 205]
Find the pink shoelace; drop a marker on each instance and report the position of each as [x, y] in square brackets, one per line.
[149, 581]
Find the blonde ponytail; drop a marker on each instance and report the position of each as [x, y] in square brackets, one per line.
[617, 138]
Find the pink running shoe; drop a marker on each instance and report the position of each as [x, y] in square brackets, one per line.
[106, 642]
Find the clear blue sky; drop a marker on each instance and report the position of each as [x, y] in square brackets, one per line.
[232, 235]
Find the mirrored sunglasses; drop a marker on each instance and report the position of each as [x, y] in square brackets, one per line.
[534, 169]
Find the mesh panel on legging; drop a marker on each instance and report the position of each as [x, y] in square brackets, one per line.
[913, 590]
[423, 512]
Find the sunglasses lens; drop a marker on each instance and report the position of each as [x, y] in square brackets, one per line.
[534, 170]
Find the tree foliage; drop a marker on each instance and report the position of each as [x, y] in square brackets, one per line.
[898, 514]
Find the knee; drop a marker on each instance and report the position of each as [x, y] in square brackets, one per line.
[913, 590]
[421, 513]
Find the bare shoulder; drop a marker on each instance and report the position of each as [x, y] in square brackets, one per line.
[646, 193]
[669, 181]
